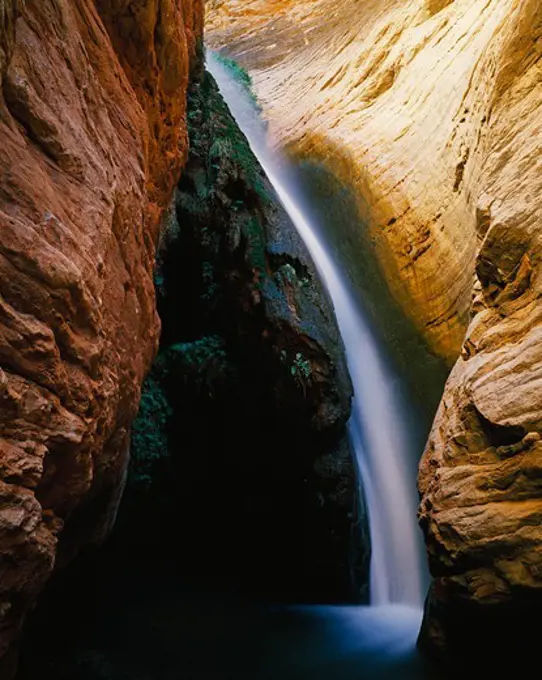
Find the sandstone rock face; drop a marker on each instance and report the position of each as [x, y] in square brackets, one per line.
[396, 97]
[480, 477]
[433, 110]
[92, 130]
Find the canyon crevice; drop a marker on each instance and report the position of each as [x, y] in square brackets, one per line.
[431, 111]
[252, 367]
[93, 130]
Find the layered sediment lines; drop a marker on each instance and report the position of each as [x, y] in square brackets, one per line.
[432, 110]
[399, 100]
[93, 137]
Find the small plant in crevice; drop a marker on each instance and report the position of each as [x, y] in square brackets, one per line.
[302, 366]
[289, 274]
[149, 442]
[299, 367]
[240, 75]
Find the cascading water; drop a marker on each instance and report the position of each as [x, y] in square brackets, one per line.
[377, 427]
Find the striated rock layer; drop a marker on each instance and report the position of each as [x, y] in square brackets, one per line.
[396, 97]
[432, 110]
[481, 474]
[93, 137]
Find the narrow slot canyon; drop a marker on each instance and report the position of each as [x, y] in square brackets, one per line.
[269, 344]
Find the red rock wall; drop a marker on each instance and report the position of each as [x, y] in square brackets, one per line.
[92, 141]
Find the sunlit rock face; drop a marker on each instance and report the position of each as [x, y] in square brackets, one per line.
[402, 100]
[481, 474]
[93, 137]
[432, 110]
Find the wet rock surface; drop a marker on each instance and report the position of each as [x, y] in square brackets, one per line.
[252, 368]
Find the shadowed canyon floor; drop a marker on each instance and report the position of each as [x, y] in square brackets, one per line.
[139, 623]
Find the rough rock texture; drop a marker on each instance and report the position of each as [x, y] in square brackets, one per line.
[481, 475]
[397, 98]
[92, 141]
[433, 110]
[253, 367]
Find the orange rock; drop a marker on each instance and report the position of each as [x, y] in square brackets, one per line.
[92, 141]
[408, 103]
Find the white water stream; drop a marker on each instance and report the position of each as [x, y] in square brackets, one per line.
[378, 427]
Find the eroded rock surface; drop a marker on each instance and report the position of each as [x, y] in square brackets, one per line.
[481, 474]
[93, 137]
[433, 109]
[398, 99]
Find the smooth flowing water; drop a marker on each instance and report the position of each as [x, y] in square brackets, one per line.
[378, 426]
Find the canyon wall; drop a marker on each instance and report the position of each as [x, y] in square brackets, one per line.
[432, 111]
[93, 138]
[396, 98]
[481, 474]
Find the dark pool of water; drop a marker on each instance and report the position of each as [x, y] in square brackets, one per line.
[132, 619]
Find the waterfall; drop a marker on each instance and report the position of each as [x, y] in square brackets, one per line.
[378, 427]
